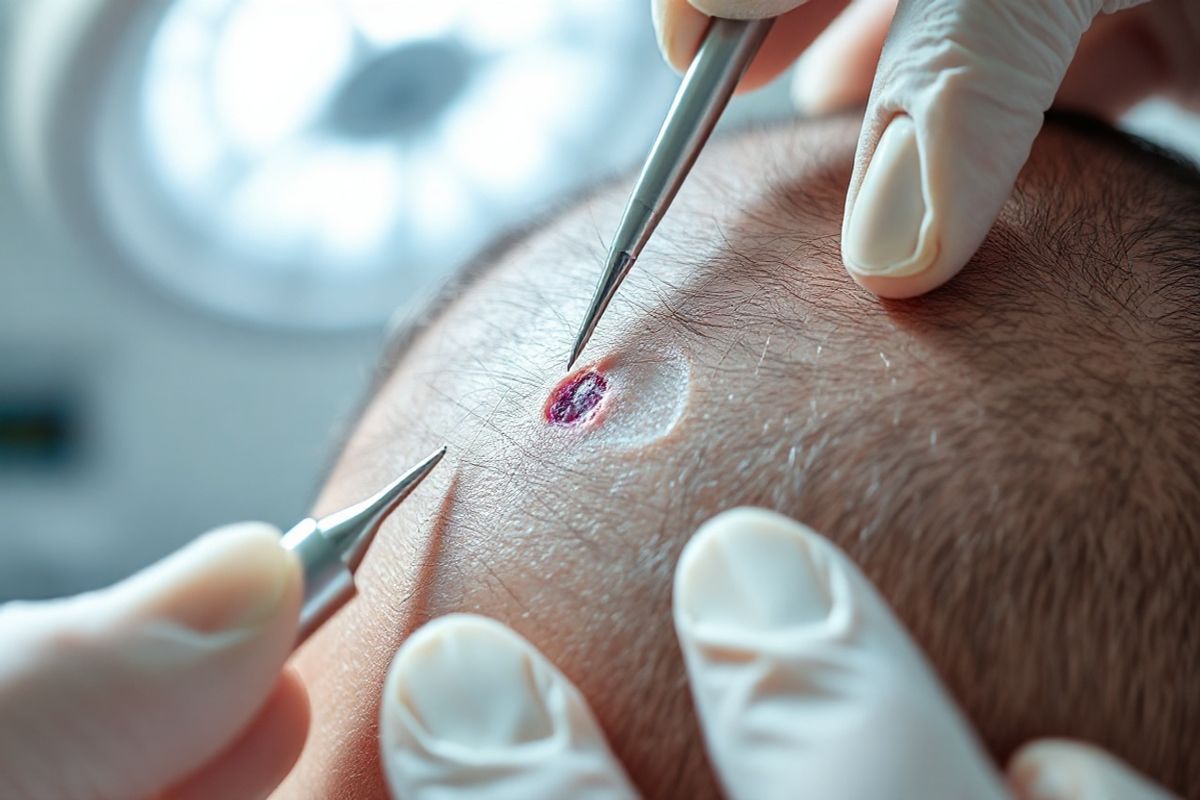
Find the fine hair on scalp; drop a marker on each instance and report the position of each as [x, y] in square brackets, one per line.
[1014, 459]
[1043, 518]
[1039, 529]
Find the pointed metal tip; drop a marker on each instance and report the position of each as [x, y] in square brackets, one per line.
[587, 328]
[431, 460]
[581, 341]
[402, 487]
[355, 527]
[615, 270]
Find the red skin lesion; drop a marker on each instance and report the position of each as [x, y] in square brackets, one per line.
[575, 400]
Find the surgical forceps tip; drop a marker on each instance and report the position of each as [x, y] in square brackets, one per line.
[331, 548]
[352, 529]
[619, 263]
[726, 51]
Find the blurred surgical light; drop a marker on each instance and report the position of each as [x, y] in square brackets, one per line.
[268, 67]
[311, 163]
[386, 23]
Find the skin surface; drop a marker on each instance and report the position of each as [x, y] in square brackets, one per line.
[1002, 457]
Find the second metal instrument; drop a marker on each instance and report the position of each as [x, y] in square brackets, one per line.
[727, 50]
[331, 548]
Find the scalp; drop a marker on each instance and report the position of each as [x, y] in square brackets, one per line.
[1008, 458]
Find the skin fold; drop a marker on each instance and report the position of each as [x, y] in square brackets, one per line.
[1000, 457]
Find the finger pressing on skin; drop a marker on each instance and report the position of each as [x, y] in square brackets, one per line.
[262, 755]
[958, 98]
[1063, 770]
[470, 709]
[680, 28]
[123, 692]
[803, 678]
[836, 70]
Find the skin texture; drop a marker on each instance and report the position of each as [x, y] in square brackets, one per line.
[1003, 457]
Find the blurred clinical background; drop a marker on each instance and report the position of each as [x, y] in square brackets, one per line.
[210, 208]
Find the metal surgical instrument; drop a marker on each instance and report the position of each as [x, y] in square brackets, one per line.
[727, 50]
[331, 548]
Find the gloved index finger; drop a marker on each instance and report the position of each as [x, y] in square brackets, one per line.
[958, 99]
[802, 677]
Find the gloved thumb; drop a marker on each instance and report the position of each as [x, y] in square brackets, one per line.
[802, 677]
[957, 101]
[1064, 770]
[168, 679]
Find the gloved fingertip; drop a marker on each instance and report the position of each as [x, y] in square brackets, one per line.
[468, 703]
[796, 663]
[233, 578]
[1065, 770]
[1039, 776]
[748, 574]
[439, 666]
[888, 229]
[959, 95]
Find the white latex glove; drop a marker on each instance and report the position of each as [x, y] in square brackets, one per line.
[803, 677]
[805, 683]
[954, 99]
[472, 710]
[167, 684]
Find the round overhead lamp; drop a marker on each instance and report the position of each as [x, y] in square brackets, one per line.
[312, 163]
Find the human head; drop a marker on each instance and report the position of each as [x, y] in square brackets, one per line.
[1007, 458]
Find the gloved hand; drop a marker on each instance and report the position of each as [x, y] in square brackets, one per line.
[954, 99]
[801, 675]
[167, 684]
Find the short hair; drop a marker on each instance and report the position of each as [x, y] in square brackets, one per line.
[1013, 458]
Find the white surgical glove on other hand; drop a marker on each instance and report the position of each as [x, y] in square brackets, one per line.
[805, 683]
[955, 91]
[472, 710]
[803, 678]
[167, 684]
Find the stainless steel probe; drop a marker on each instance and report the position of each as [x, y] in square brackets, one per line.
[727, 50]
[331, 548]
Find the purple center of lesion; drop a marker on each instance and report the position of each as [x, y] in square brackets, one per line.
[575, 400]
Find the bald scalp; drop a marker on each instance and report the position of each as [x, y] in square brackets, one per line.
[1012, 458]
